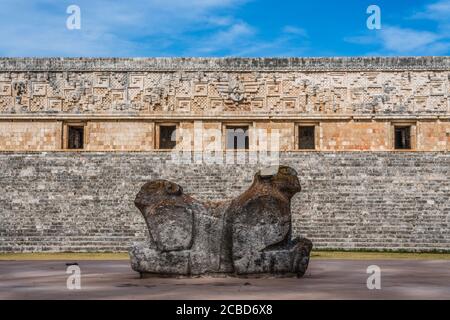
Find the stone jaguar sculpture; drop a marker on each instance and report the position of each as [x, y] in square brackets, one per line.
[250, 234]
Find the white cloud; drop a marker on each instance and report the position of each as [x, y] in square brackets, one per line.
[402, 40]
[439, 12]
[396, 40]
[108, 28]
[435, 11]
[295, 30]
[233, 33]
[139, 28]
[237, 34]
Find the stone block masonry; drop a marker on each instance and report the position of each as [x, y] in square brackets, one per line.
[355, 103]
[83, 201]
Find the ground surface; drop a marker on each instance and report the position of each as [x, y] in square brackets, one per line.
[325, 279]
[316, 254]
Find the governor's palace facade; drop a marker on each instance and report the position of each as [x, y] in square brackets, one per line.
[369, 136]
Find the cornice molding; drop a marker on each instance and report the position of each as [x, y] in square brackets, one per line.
[225, 64]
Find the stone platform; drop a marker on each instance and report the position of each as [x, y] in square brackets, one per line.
[325, 279]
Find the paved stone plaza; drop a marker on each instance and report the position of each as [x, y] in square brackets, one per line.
[325, 279]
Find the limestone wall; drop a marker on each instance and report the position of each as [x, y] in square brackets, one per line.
[123, 135]
[27, 135]
[353, 101]
[140, 135]
[83, 201]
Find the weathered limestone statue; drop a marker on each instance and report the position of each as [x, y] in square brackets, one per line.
[250, 234]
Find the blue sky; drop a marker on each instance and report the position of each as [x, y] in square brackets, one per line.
[249, 28]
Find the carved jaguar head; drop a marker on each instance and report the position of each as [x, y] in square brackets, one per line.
[283, 178]
[154, 190]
